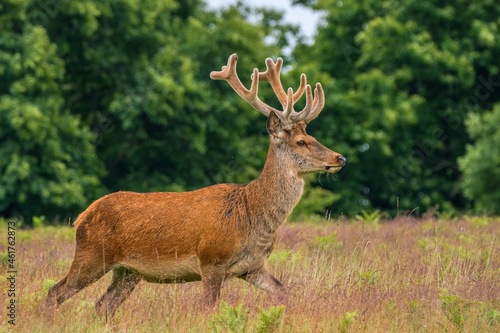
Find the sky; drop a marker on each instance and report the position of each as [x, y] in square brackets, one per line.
[304, 17]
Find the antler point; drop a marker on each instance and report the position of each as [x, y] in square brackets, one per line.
[255, 73]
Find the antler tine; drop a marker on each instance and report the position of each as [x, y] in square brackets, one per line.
[289, 104]
[227, 70]
[318, 103]
[272, 75]
[228, 73]
[300, 116]
[302, 87]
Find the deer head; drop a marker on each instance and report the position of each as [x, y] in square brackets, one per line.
[297, 150]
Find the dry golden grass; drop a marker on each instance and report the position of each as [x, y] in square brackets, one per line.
[395, 276]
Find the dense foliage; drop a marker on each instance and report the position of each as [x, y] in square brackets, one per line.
[401, 79]
[100, 96]
[480, 165]
[48, 163]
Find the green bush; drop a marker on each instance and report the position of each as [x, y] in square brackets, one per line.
[481, 163]
[232, 319]
[346, 321]
[456, 308]
[271, 319]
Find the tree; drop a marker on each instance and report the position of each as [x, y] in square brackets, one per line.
[140, 71]
[401, 78]
[481, 163]
[137, 74]
[49, 166]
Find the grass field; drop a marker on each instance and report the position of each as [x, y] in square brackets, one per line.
[401, 275]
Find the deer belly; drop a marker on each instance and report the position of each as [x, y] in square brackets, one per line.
[171, 271]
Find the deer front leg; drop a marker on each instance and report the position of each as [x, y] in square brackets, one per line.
[263, 279]
[212, 277]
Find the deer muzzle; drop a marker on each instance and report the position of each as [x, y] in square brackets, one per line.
[340, 161]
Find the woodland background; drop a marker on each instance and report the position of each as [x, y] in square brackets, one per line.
[108, 95]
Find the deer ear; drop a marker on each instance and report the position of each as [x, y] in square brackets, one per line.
[274, 126]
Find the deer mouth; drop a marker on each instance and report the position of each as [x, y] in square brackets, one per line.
[332, 168]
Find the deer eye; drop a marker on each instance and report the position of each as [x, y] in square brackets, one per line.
[301, 143]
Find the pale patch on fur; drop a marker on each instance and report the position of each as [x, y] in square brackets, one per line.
[179, 269]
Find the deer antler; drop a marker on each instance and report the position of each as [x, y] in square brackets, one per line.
[272, 74]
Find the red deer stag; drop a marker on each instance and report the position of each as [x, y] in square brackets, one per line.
[211, 234]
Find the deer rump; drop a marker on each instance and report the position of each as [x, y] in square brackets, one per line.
[169, 237]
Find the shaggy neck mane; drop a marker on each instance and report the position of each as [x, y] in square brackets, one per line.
[274, 194]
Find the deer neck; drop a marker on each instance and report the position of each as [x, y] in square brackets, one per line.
[274, 194]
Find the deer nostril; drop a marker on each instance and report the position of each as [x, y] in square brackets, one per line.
[341, 160]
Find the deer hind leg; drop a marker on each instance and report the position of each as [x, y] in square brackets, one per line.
[122, 285]
[85, 270]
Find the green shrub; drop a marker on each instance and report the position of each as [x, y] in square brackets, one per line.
[456, 309]
[271, 319]
[346, 322]
[481, 181]
[329, 241]
[368, 278]
[230, 319]
[369, 218]
[38, 221]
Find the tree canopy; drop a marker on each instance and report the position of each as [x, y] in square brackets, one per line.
[402, 79]
[101, 96]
